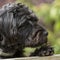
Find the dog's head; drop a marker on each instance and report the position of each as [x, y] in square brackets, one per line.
[19, 27]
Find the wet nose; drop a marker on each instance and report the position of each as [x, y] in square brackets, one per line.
[45, 33]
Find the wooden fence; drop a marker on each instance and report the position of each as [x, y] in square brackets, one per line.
[54, 57]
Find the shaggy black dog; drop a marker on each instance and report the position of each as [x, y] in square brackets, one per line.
[19, 28]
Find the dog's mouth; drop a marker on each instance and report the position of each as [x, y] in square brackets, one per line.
[37, 39]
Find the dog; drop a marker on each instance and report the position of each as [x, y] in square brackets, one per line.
[19, 28]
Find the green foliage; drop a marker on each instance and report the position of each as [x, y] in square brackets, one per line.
[26, 2]
[28, 50]
[57, 46]
[57, 27]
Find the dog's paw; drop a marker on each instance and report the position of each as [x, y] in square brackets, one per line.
[46, 51]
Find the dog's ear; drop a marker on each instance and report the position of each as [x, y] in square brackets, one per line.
[23, 14]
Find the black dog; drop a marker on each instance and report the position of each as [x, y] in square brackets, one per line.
[19, 28]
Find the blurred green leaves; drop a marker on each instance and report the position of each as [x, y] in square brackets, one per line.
[57, 27]
[28, 51]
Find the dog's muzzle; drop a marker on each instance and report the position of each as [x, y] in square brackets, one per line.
[38, 37]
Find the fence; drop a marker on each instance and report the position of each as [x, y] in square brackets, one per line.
[54, 57]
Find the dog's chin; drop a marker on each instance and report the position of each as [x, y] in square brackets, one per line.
[40, 41]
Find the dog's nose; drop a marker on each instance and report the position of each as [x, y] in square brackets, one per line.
[45, 33]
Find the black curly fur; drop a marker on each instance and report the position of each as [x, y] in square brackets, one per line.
[19, 28]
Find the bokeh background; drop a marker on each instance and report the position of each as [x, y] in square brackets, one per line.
[48, 12]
